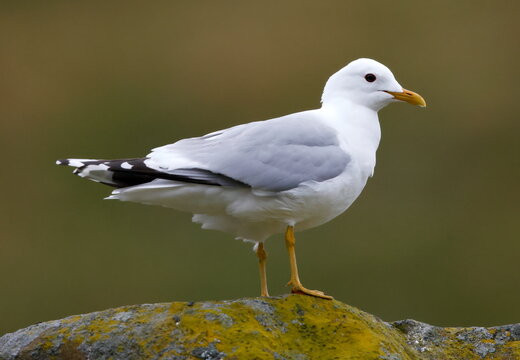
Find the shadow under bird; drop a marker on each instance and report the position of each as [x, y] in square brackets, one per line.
[262, 178]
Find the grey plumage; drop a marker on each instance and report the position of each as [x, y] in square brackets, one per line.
[274, 155]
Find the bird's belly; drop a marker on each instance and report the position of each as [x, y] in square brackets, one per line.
[327, 199]
[310, 204]
[250, 214]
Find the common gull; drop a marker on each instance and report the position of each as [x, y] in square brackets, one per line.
[261, 178]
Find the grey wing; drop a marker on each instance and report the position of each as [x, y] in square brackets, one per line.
[274, 155]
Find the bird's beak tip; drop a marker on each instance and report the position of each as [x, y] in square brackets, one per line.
[409, 96]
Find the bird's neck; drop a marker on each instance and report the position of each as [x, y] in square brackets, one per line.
[357, 124]
[358, 129]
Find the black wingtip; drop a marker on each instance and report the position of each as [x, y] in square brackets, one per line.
[62, 162]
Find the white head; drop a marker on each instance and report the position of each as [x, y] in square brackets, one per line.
[368, 83]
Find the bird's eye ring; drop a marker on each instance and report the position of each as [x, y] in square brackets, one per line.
[370, 77]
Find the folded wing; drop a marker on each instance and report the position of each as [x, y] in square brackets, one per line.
[273, 155]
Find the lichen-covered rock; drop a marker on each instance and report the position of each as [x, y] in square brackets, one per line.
[499, 342]
[289, 327]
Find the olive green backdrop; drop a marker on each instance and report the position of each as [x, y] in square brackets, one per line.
[434, 236]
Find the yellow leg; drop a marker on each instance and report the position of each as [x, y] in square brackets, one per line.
[262, 259]
[297, 287]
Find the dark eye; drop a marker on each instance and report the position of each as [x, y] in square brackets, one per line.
[370, 77]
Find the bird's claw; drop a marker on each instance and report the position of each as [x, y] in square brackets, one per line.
[299, 289]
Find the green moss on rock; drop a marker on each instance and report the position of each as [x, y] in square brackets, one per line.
[289, 327]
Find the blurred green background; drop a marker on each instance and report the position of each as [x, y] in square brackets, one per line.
[434, 236]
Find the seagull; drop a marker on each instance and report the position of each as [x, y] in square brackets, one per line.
[267, 177]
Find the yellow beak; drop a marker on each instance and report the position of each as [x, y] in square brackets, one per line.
[409, 96]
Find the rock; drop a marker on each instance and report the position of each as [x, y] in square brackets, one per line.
[282, 328]
[499, 342]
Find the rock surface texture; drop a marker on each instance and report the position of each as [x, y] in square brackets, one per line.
[288, 327]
